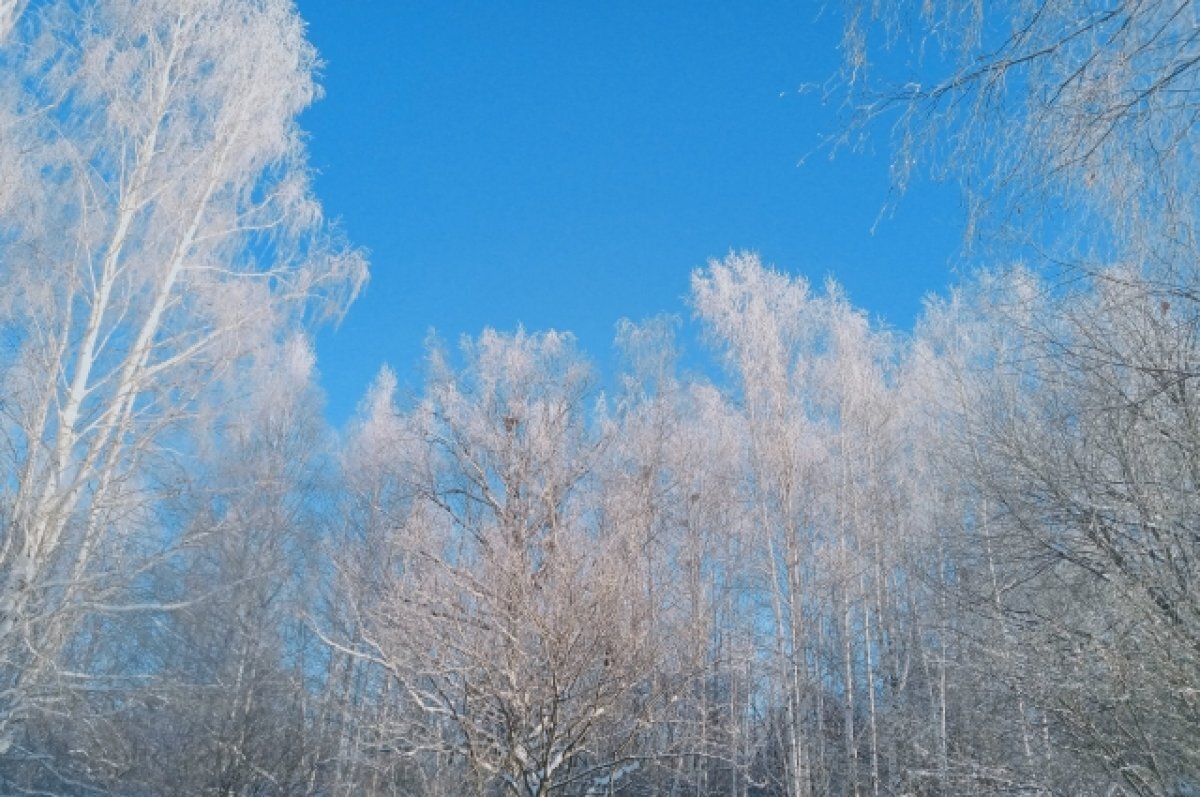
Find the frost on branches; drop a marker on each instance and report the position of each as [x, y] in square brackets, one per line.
[158, 237]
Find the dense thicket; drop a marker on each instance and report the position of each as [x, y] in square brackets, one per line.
[846, 562]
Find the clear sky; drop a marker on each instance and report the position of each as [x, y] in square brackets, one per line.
[567, 164]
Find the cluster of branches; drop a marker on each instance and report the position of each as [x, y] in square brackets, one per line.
[962, 561]
[1070, 125]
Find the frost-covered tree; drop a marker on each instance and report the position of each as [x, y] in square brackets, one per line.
[218, 691]
[1069, 433]
[762, 322]
[1075, 447]
[158, 235]
[827, 518]
[507, 611]
[670, 480]
[1045, 109]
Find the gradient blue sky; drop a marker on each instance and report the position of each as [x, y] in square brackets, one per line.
[567, 164]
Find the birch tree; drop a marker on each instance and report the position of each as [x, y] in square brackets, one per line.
[671, 482]
[1044, 108]
[1072, 125]
[833, 521]
[1077, 452]
[217, 695]
[159, 230]
[761, 319]
[511, 619]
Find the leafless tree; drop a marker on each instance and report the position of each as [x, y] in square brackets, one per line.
[1078, 448]
[158, 236]
[511, 618]
[1071, 124]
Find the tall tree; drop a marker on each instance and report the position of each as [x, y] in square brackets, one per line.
[1072, 125]
[159, 233]
[219, 694]
[1079, 451]
[671, 482]
[511, 617]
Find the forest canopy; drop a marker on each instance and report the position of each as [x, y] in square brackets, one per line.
[837, 559]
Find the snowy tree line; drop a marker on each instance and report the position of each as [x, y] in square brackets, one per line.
[846, 561]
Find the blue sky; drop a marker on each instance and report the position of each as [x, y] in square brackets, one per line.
[568, 164]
